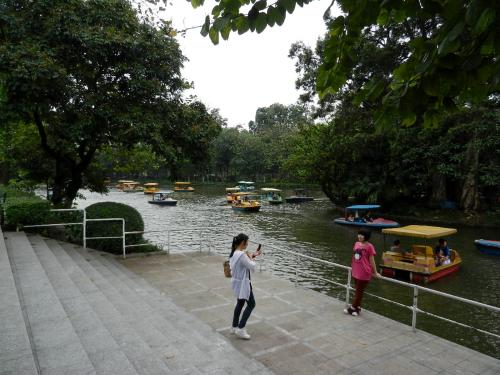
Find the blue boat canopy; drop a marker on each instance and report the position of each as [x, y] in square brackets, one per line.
[363, 207]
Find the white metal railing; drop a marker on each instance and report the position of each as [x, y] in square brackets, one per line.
[200, 231]
[416, 288]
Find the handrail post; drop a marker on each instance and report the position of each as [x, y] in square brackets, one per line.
[348, 286]
[414, 310]
[296, 270]
[84, 224]
[123, 239]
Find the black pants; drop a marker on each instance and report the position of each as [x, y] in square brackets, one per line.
[246, 314]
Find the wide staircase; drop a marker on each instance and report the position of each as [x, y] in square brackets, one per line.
[65, 310]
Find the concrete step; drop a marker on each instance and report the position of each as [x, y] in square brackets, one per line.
[178, 347]
[16, 354]
[126, 333]
[102, 349]
[221, 353]
[56, 344]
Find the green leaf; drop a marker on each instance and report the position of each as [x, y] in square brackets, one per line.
[383, 17]
[260, 5]
[242, 24]
[225, 32]
[409, 119]
[448, 46]
[280, 18]
[214, 35]
[206, 26]
[488, 47]
[484, 21]
[197, 3]
[456, 31]
[261, 22]
[289, 5]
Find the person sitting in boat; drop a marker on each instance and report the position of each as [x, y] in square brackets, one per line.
[368, 217]
[396, 246]
[350, 217]
[442, 253]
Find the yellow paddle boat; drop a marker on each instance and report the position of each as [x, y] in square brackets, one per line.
[121, 183]
[231, 194]
[151, 188]
[246, 202]
[132, 187]
[183, 187]
[419, 263]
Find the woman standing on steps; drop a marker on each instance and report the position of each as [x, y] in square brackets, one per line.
[242, 264]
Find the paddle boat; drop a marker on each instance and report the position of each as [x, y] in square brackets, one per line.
[163, 198]
[183, 187]
[246, 186]
[121, 183]
[151, 187]
[299, 196]
[488, 246]
[231, 194]
[354, 216]
[132, 187]
[246, 201]
[271, 195]
[417, 264]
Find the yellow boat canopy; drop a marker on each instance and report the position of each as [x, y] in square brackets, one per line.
[183, 183]
[232, 189]
[420, 231]
[151, 184]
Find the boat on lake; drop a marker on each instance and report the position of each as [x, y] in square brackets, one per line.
[246, 186]
[299, 196]
[163, 198]
[132, 187]
[354, 217]
[183, 187]
[271, 195]
[246, 202]
[121, 183]
[488, 246]
[417, 264]
[151, 187]
[231, 194]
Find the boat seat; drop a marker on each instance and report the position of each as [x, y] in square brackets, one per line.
[452, 255]
[422, 250]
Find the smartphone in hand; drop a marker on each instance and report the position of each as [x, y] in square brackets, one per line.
[258, 251]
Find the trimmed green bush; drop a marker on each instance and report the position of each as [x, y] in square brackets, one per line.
[25, 210]
[133, 222]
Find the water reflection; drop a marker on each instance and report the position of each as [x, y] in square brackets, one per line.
[309, 229]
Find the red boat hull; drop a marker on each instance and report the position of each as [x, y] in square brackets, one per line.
[422, 278]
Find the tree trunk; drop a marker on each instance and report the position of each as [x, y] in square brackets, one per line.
[469, 199]
[438, 193]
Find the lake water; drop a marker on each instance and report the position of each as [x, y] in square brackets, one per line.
[308, 228]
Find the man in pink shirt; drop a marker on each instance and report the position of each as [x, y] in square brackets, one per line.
[363, 267]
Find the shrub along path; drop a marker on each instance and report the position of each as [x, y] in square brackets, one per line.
[300, 331]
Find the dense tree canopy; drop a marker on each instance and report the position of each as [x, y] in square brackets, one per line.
[451, 50]
[89, 74]
[352, 157]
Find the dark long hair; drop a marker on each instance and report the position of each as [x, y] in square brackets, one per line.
[240, 238]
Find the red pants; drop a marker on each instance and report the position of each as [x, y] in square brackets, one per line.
[358, 295]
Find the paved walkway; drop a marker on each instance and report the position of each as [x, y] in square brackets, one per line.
[299, 331]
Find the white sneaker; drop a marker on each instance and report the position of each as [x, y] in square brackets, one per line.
[242, 333]
[232, 330]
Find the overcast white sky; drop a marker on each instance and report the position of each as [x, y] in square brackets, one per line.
[247, 71]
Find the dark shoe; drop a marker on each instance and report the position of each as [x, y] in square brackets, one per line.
[351, 311]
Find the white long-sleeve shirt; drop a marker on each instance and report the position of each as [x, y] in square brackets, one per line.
[241, 265]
